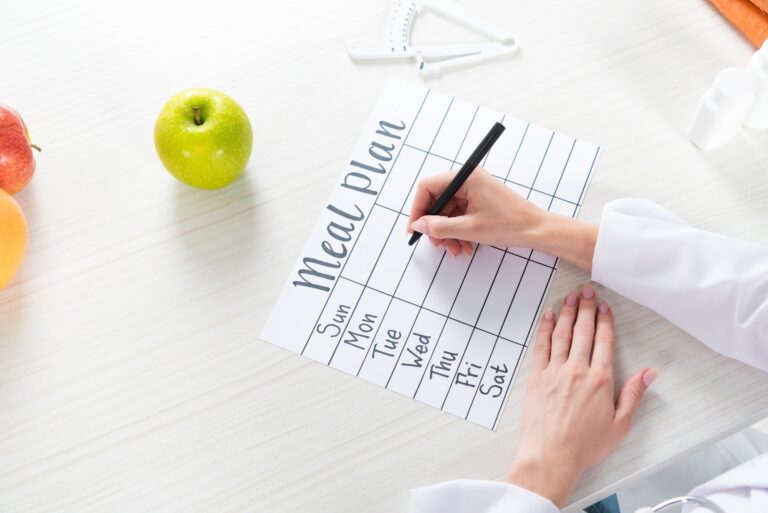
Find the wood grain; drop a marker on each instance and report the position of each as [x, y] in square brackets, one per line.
[131, 377]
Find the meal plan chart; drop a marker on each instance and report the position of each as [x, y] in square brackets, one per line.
[447, 331]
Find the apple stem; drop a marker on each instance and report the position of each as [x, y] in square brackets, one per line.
[35, 146]
[198, 121]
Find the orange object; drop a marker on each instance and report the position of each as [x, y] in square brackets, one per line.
[762, 4]
[13, 238]
[747, 17]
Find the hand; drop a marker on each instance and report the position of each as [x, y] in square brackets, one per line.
[570, 419]
[486, 211]
[483, 210]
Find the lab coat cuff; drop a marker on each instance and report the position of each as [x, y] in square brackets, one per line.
[619, 243]
[468, 496]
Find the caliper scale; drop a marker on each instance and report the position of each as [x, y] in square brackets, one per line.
[433, 59]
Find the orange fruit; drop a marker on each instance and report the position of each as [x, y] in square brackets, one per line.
[13, 238]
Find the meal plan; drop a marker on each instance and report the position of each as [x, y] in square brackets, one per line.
[447, 331]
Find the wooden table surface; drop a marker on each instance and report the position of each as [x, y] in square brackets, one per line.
[131, 375]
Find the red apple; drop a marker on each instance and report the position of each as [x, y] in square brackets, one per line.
[17, 164]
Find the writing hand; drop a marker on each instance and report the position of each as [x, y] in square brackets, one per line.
[484, 210]
[570, 419]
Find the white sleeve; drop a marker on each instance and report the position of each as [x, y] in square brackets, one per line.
[467, 496]
[712, 286]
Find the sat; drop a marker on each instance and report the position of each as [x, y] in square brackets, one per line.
[499, 380]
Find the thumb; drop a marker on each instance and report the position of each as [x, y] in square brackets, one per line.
[630, 396]
[441, 227]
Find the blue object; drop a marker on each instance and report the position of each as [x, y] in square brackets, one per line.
[607, 505]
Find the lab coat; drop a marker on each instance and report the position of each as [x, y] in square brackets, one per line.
[712, 286]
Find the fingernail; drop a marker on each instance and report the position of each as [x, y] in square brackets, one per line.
[420, 225]
[549, 315]
[648, 377]
[570, 299]
[603, 307]
[587, 292]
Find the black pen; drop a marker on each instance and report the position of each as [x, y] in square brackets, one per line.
[472, 162]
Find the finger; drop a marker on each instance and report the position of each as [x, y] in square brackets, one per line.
[629, 399]
[461, 203]
[426, 193]
[456, 210]
[452, 209]
[422, 200]
[435, 242]
[452, 246]
[605, 340]
[442, 227]
[584, 329]
[543, 347]
[561, 336]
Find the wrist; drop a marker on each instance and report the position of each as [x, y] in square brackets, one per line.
[552, 481]
[572, 240]
[529, 228]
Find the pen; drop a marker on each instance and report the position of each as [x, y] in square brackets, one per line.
[472, 162]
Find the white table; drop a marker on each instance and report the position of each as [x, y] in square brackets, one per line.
[131, 376]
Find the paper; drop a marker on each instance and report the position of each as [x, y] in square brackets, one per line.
[447, 331]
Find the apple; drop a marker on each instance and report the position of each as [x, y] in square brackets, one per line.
[203, 138]
[13, 238]
[17, 164]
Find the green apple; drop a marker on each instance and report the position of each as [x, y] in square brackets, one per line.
[203, 138]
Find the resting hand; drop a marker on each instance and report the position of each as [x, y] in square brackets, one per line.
[570, 419]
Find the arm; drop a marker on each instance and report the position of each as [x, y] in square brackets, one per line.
[469, 496]
[713, 287]
[571, 420]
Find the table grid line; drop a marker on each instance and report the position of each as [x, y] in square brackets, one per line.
[389, 235]
[437, 341]
[421, 307]
[551, 274]
[514, 295]
[562, 173]
[546, 288]
[588, 179]
[389, 304]
[522, 352]
[528, 260]
[485, 301]
[495, 342]
[428, 309]
[354, 244]
[505, 179]
[503, 250]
